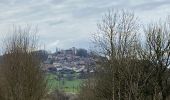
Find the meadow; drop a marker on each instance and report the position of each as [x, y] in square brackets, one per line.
[64, 84]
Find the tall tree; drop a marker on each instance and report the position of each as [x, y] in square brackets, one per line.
[22, 77]
[158, 52]
[116, 39]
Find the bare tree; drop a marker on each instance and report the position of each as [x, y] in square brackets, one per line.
[130, 70]
[116, 39]
[158, 52]
[22, 77]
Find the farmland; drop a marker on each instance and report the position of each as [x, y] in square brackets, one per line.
[65, 84]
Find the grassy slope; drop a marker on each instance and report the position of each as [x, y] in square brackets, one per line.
[68, 86]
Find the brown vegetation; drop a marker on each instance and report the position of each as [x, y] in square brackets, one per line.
[21, 76]
[132, 70]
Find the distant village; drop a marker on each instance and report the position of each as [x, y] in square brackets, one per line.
[69, 61]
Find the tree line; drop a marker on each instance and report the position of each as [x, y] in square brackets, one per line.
[136, 63]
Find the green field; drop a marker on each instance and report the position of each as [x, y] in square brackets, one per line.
[64, 84]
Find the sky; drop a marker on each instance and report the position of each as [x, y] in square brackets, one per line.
[70, 23]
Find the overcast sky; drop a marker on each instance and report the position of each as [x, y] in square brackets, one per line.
[68, 23]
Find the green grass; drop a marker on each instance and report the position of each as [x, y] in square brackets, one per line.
[66, 85]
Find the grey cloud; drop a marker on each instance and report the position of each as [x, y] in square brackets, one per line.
[65, 20]
[151, 5]
[93, 8]
[52, 23]
[58, 1]
[87, 12]
[6, 2]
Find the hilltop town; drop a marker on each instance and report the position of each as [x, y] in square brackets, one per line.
[70, 61]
